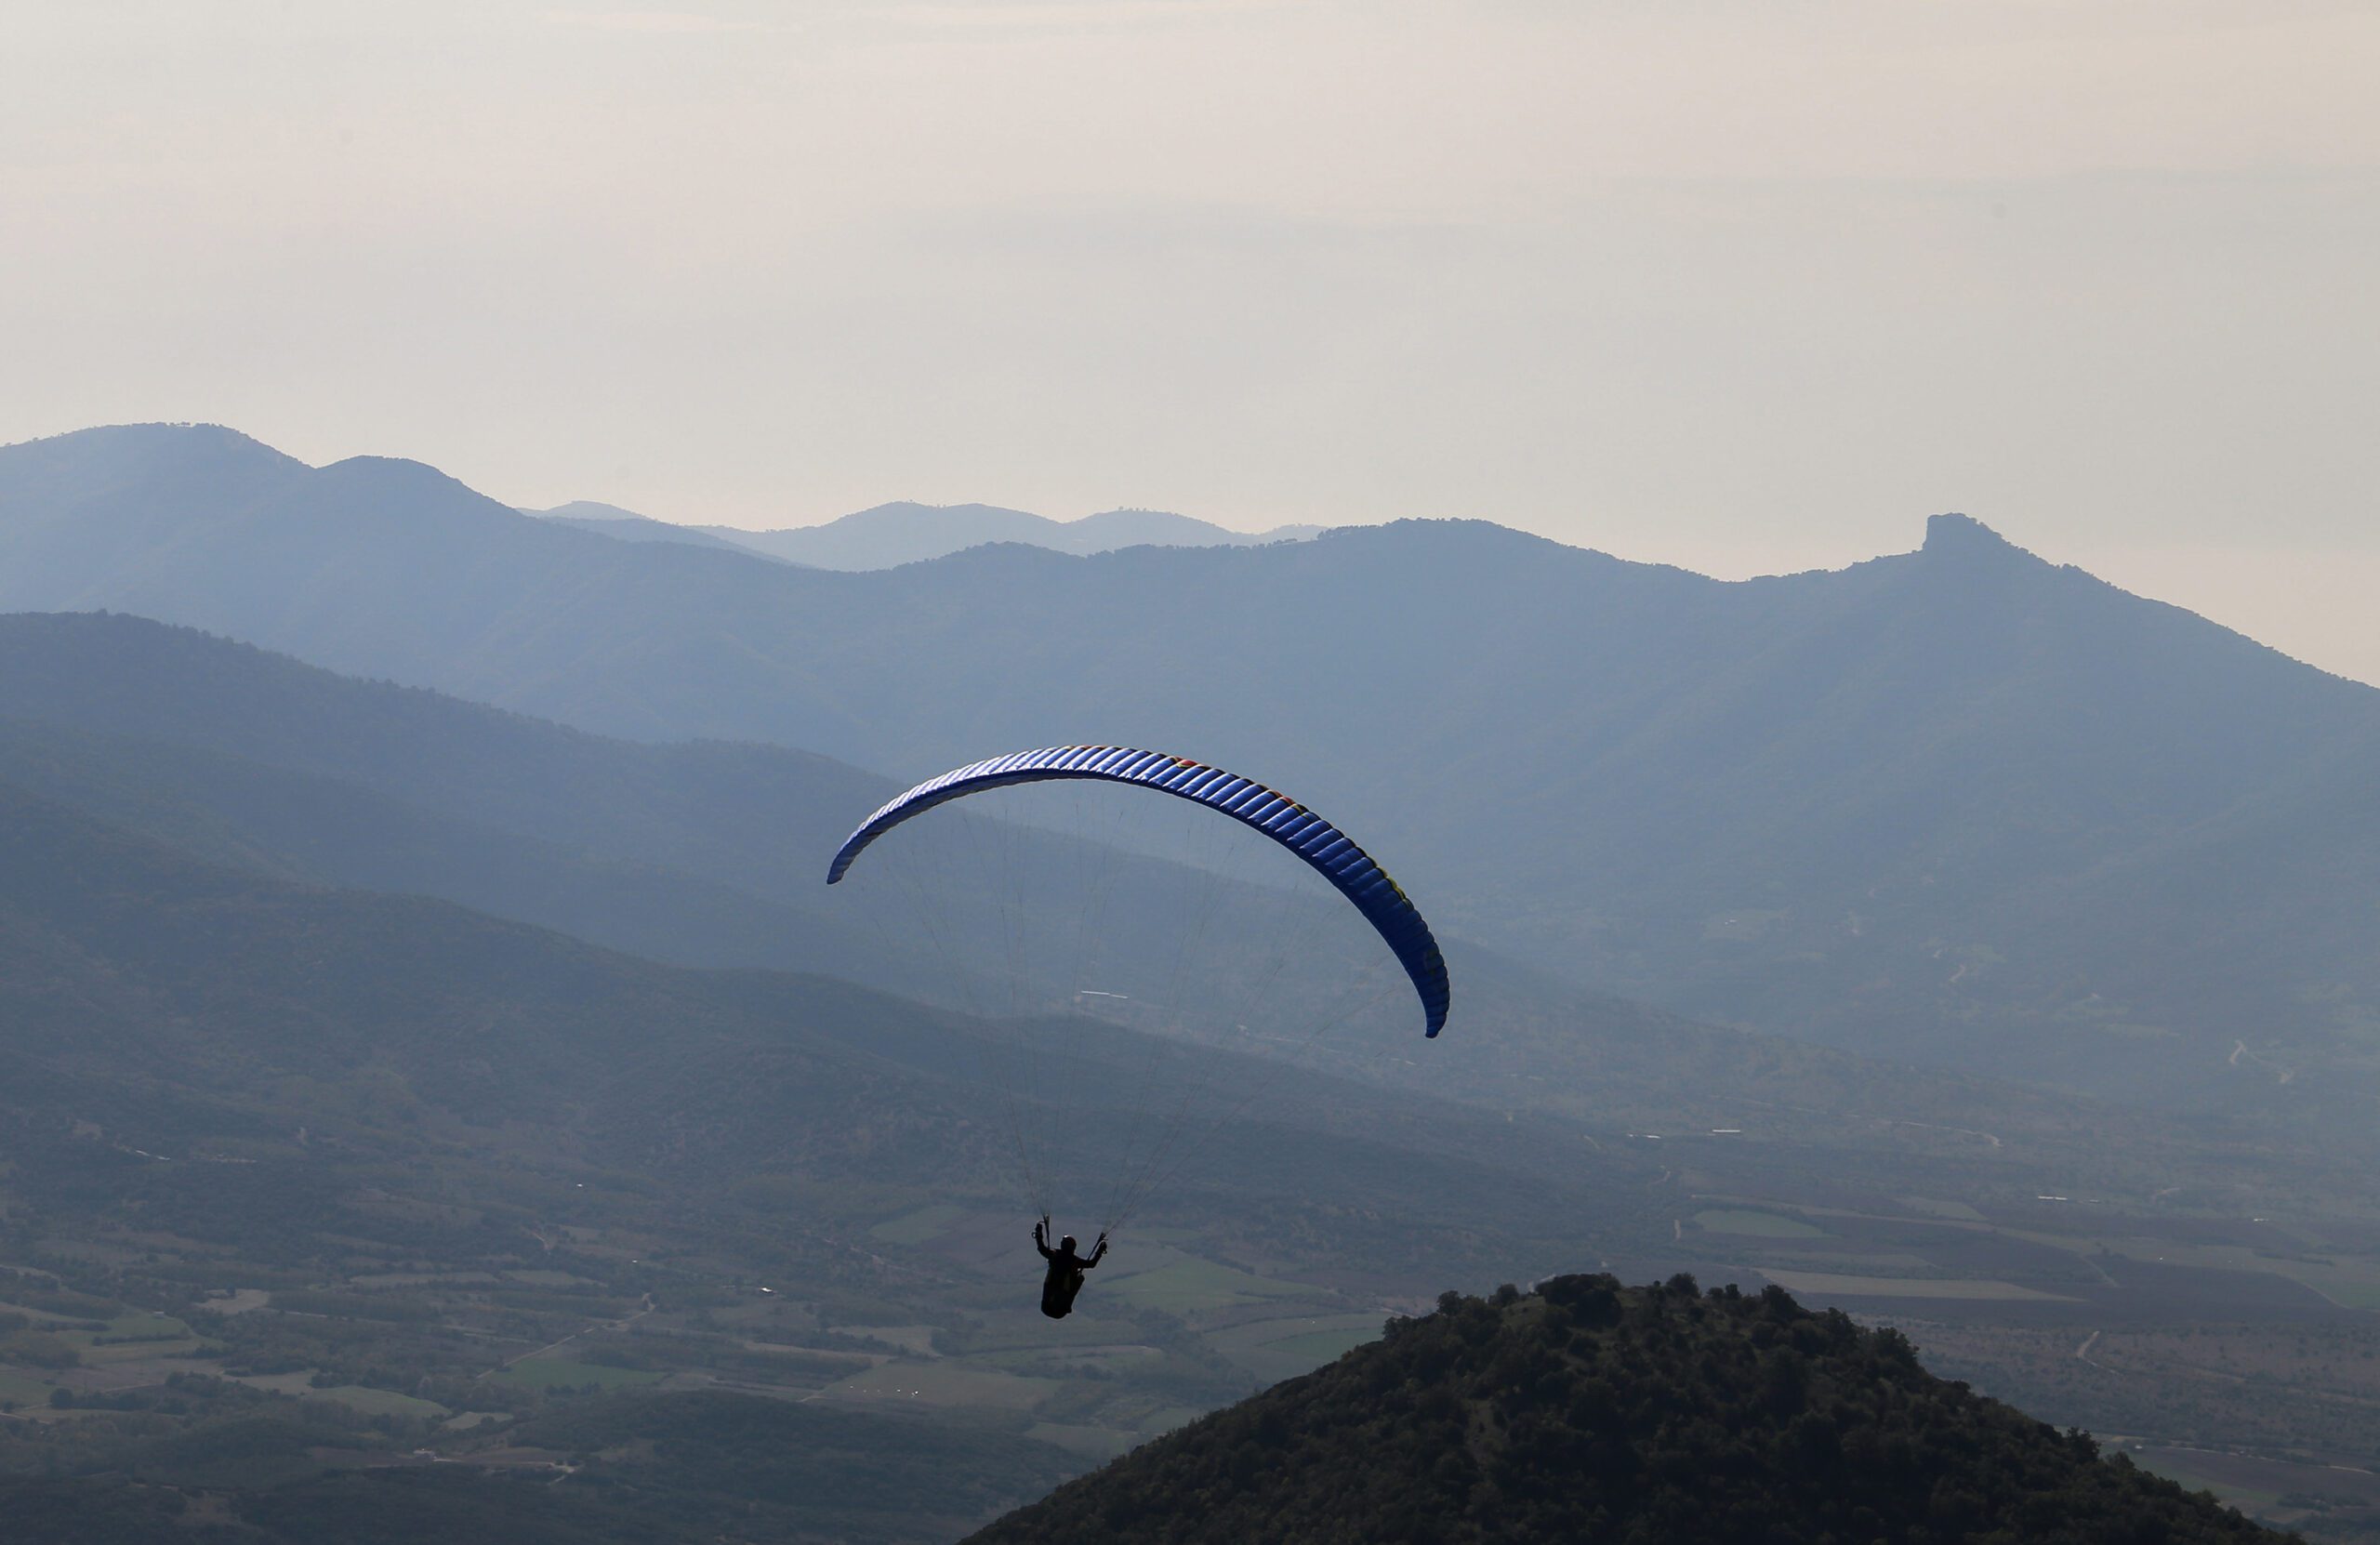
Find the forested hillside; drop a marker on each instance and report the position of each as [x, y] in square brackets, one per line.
[1590, 1411]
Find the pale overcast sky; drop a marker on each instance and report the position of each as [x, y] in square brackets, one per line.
[1739, 284]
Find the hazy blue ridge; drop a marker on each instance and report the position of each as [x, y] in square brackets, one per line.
[891, 535]
[713, 854]
[1929, 806]
[627, 525]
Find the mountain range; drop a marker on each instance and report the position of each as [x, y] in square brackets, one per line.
[250, 1004]
[1958, 805]
[627, 525]
[385, 1072]
[890, 535]
[712, 854]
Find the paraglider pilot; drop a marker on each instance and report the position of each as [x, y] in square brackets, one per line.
[1058, 1288]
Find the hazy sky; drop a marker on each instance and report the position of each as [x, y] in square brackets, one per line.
[1740, 284]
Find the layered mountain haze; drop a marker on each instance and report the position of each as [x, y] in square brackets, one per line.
[627, 525]
[713, 854]
[1934, 806]
[710, 854]
[401, 1092]
[891, 535]
[707, 854]
[222, 985]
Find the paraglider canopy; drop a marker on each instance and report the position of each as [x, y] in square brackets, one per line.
[1330, 852]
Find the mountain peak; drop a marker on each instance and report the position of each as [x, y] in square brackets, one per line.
[586, 509]
[1964, 547]
[119, 437]
[401, 481]
[1956, 533]
[183, 451]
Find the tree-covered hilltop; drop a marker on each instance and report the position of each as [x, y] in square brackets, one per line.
[1590, 1411]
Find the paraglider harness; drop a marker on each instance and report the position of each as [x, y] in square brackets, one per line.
[1065, 1279]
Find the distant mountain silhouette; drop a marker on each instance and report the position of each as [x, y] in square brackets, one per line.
[627, 525]
[1959, 804]
[903, 532]
[703, 854]
[1589, 1411]
[890, 535]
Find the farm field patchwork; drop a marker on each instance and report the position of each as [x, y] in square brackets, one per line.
[1284, 1348]
[546, 1373]
[916, 1228]
[1764, 1225]
[944, 1383]
[1190, 1285]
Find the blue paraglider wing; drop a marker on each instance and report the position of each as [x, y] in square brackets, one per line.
[1332, 854]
